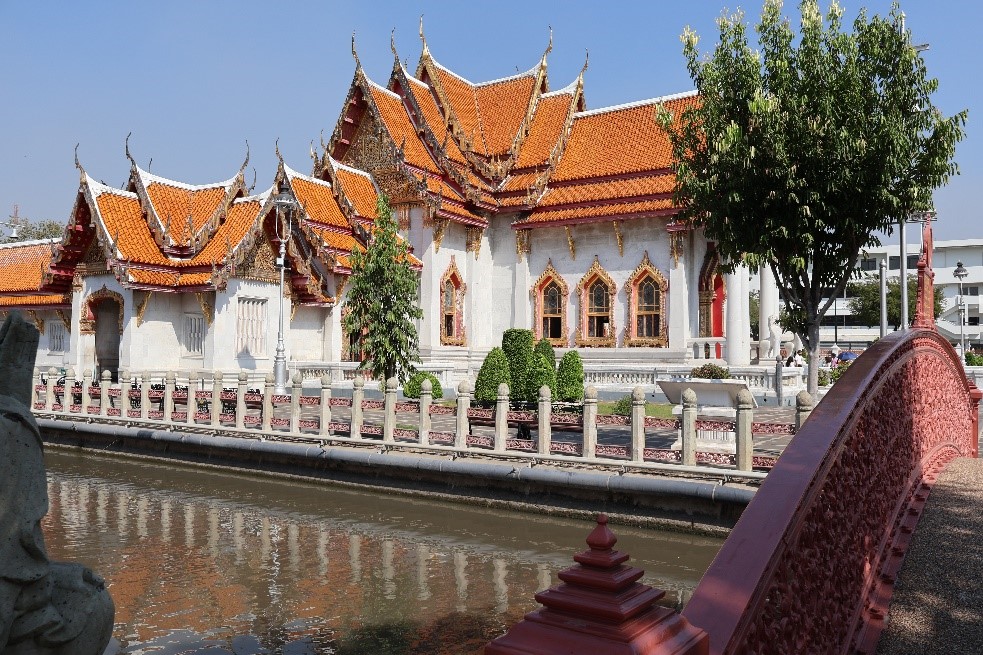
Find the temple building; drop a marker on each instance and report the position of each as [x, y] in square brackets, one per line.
[523, 208]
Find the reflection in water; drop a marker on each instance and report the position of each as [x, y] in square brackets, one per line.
[200, 561]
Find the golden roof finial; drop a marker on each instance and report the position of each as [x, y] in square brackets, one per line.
[392, 44]
[246, 160]
[253, 185]
[126, 146]
[426, 49]
[586, 61]
[549, 46]
[358, 64]
[78, 164]
[276, 149]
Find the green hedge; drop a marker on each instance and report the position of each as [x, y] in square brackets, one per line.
[543, 373]
[494, 371]
[710, 372]
[545, 348]
[972, 359]
[517, 346]
[570, 378]
[412, 387]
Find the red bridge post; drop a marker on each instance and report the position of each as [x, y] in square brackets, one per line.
[602, 609]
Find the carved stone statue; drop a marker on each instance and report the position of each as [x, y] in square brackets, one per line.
[774, 337]
[46, 608]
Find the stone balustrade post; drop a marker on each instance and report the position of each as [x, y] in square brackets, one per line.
[688, 427]
[69, 391]
[192, 400]
[86, 383]
[745, 441]
[779, 380]
[803, 407]
[170, 380]
[590, 422]
[242, 381]
[545, 415]
[501, 418]
[637, 453]
[267, 424]
[325, 425]
[426, 399]
[104, 393]
[463, 423]
[389, 411]
[125, 404]
[296, 388]
[358, 395]
[216, 413]
[144, 394]
[35, 381]
[49, 389]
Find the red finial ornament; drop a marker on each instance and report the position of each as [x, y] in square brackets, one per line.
[602, 609]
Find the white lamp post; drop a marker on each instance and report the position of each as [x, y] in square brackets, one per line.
[960, 274]
[285, 204]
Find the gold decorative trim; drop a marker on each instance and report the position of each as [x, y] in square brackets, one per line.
[65, 318]
[522, 243]
[453, 275]
[595, 272]
[473, 240]
[550, 275]
[293, 311]
[142, 307]
[620, 237]
[675, 247]
[87, 322]
[207, 308]
[570, 243]
[709, 272]
[38, 321]
[643, 270]
[439, 226]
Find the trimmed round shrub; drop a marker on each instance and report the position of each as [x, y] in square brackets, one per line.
[545, 348]
[494, 371]
[623, 406]
[517, 346]
[710, 372]
[570, 378]
[543, 373]
[412, 387]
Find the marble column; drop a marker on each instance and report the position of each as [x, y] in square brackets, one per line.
[737, 324]
[679, 297]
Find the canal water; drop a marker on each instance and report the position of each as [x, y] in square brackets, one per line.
[200, 561]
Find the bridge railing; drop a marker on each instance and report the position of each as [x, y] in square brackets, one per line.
[237, 406]
[811, 564]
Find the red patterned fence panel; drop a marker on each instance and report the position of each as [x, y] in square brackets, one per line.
[811, 564]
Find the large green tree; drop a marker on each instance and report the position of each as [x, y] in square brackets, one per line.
[29, 231]
[797, 153]
[865, 300]
[382, 301]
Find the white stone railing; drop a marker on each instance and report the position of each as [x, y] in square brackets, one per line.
[760, 379]
[341, 371]
[229, 405]
[708, 348]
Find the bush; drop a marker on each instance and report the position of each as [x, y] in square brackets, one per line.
[623, 406]
[570, 378]
[543, 373]
[412, 387]
[545, 348]
[710, 372]
[972, 359]
[824, 378]
[517, 346]
[837, 372]
[494, 371]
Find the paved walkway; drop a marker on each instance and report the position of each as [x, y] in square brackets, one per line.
[938, 603]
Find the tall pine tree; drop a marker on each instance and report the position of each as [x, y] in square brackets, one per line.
[382, 301]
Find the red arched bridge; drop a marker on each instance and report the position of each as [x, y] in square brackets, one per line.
[811, 565]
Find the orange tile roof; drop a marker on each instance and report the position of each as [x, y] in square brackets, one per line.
[618, 140]
[623, 189]
[240, 219]
[34, 301]
[610, 211]
[502, 106]
[336, 240]
[545, 130]
[423, 95]
[169, 279]
[23, 265]
[461, 98]
[318, 201]
[520, 182]
[401, 128]
[358, 188]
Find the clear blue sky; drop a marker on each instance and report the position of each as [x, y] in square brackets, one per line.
[193, 80]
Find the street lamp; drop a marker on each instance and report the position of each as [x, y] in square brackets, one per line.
[960, 274]
[285, 202]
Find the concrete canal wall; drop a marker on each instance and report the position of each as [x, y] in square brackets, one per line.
[710, 503]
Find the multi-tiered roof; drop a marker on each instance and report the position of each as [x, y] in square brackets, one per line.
[509, 146]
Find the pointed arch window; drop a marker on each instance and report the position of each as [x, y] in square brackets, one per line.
[550, 294]
[452, 289]
[597, 291]
[646, 293]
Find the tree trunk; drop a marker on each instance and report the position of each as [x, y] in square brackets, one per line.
[812, 343]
